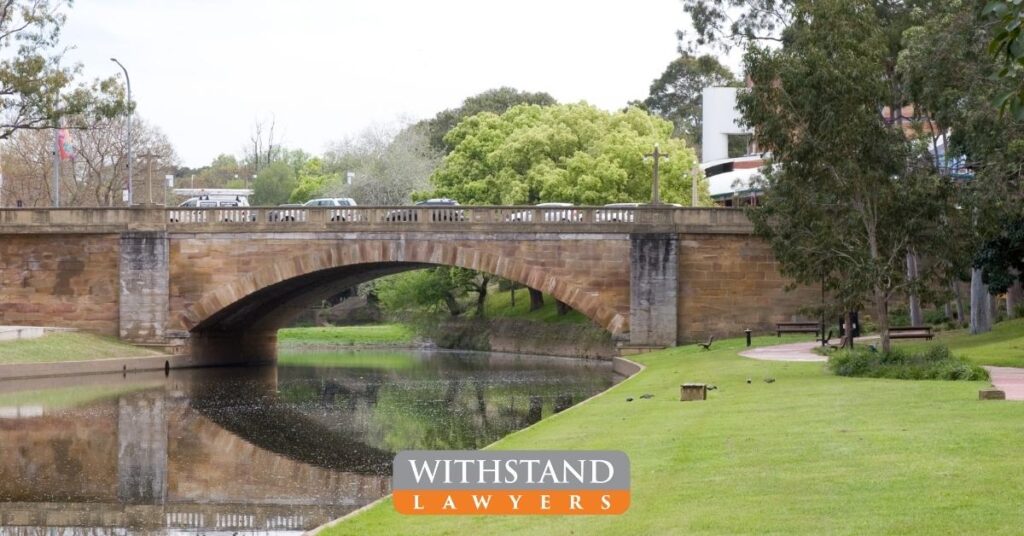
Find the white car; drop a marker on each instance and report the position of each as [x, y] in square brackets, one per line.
[550, 212]
[336, 215]
[213, 201]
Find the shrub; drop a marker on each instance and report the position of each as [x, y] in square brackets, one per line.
[934, 363]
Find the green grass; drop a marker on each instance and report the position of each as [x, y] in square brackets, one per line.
[67, 397]
[391, 334]
[499, 305]
[811, 453]
[1003, 346]
[71, 346]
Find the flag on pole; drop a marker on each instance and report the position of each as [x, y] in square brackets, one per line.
[65, 145]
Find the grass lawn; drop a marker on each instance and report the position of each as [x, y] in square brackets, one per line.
[71, 346]
[1002, 347]
[499, 305]
[348, 335]
[811, 453]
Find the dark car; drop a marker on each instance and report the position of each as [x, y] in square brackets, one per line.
[444, 212]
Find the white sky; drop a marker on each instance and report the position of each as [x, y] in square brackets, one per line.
[203, 71]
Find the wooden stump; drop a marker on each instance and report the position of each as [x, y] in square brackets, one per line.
[991, 394]
[693, 391]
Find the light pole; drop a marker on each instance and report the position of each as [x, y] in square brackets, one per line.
[128, 81]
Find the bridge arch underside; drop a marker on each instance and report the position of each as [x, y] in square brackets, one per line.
[238, 321]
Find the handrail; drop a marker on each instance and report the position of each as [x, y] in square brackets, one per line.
[387, 217]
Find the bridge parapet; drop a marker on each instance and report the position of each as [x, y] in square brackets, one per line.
[398, 218]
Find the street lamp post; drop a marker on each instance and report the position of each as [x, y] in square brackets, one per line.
[128, 81]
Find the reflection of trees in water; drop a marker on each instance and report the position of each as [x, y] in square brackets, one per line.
[445, 401]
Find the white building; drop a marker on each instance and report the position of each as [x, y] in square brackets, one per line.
[720, 120]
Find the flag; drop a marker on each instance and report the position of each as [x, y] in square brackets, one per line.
[64, 144]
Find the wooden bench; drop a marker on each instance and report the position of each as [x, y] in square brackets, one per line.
[911, 332]
[797, 327]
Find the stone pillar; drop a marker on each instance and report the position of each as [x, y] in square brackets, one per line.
[142, 449]
[144, 284]
[653, 289]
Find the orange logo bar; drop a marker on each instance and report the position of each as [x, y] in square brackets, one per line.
[508, 502]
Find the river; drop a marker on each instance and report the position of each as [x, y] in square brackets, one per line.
[268, 450]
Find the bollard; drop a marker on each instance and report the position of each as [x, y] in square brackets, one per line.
[747, 331]
[693, 391]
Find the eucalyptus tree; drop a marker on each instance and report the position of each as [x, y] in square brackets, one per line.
[851, 191]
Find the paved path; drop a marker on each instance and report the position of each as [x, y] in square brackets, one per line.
[1010, 380]
[797, 351]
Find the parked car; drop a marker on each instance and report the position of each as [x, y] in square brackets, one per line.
[336, 215]
[213, 201]
[553, 212]
[440, 215]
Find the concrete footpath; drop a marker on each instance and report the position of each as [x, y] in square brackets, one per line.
[797, 351]
[1009, 380]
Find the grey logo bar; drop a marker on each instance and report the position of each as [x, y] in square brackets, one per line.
[511, 470]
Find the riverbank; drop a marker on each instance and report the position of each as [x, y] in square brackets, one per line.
[68, 346]
[372, 335]
[808, 453]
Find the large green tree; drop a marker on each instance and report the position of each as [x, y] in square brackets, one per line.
[37, 89]
[676, 95]
[566, 153]
[493, 100]
[274, 184]
[851, 193]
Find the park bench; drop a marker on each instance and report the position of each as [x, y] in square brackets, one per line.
[911, 332]
[797, 327]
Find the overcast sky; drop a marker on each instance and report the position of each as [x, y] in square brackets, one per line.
[204, 71]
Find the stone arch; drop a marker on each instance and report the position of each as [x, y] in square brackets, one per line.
[415, 253]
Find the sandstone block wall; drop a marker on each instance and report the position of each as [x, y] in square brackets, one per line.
[728, 283]
[60, 280]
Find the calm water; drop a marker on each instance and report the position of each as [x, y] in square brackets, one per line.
[255, 450]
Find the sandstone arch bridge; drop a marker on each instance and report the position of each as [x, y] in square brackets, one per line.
[650, 276]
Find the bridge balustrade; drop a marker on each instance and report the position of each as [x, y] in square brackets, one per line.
[265, 219]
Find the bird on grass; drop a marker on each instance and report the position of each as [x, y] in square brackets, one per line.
[630, 399]
[769, 380]
[646, 396]
[749, 380]
[712, 387]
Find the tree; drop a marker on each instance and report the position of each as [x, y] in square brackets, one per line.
[274, 184]
[493, 100]
[948, 68]
[36, 89]
[676, 95]
[263, 148]
[849, 193]
[569, 153]
[97, 172]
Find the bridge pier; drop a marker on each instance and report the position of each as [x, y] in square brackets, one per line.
[653, 289]
[144, 287]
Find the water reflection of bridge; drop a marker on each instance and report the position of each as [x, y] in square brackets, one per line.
[162, 458]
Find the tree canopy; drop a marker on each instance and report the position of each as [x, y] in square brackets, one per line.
[493, 100]
[677, 94]
[565, 153]
[851, 191]
[36, 88]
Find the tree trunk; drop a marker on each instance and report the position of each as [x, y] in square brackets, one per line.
[481, 296]
[882, 312]
[959, 303]
[1013, 297]
[563, 309]
[916, 318]
[980, 304]
[512, 291]
[848, 330]
[536, 299]
[947, 310]
[454, 308]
